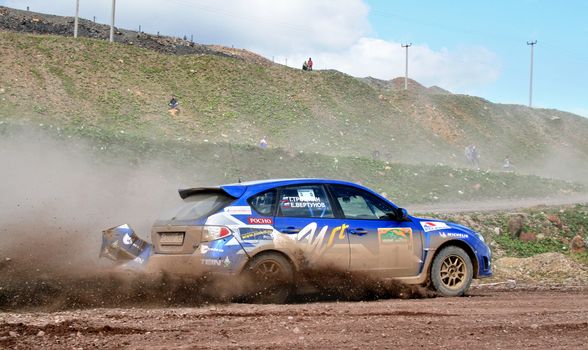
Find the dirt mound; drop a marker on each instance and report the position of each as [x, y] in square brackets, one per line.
[547, 268]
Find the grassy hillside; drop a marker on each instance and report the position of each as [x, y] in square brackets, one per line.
[101, 88]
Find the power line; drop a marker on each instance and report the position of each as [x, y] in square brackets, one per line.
[513, 38]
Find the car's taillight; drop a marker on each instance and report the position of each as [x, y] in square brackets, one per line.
[210, 233]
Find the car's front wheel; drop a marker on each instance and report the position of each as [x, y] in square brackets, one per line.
[452, 272]
[271, 276]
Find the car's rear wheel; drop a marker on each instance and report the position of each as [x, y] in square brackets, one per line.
[271, 277]
[452, 272]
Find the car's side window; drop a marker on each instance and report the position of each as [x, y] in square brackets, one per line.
[305, 201]
[358, 204]
[264, 203]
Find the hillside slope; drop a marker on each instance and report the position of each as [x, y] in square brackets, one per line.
[96, 86]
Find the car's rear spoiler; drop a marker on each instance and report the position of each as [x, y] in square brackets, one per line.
[234, 191]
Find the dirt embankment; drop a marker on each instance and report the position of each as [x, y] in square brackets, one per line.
[39, 23]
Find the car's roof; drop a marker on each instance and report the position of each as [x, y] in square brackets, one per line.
[237, 189]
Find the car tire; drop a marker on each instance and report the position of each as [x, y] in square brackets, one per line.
[451, 272]
[271, 277]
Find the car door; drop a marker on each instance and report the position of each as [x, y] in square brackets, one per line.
[378, 243]
[305, 214]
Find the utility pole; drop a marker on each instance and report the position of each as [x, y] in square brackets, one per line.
[532, 44]
[112, 22]
[406, 72]
[77, 16]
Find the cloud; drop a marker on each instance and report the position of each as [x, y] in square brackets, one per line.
[280, 26]
[337, 34]
[457, 70]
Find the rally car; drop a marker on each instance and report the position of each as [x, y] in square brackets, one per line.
[275, 228]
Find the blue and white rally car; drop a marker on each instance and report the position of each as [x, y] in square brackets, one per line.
[275, 228]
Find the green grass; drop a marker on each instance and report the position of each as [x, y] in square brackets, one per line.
[517, 248]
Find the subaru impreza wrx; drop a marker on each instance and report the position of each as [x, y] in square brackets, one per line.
[275, 228]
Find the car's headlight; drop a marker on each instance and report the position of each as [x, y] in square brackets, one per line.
[480, 237]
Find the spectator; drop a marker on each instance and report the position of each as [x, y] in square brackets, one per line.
[475, 157]
[173, 103]
[507, 165]
[376, 155]
[309, 63]
[174, 106]
[305, 66]
[468, 154]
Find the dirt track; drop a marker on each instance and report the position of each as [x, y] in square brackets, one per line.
[554, 319]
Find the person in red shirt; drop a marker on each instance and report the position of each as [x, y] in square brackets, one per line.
[309, 63]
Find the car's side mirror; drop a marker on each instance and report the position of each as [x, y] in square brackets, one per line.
[399, 214]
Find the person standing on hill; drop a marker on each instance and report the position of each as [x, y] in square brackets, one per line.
[309, 63]
[468, 155]
[263, 143]
[475, 157]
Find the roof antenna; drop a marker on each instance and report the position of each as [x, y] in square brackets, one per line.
[234, 163]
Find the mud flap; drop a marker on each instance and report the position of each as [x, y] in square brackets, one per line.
[121, 244]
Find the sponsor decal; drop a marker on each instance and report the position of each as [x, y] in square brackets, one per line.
[212, 262]
[315, 240]
[139, 260]
[127, 239]
[433, 225]
[394, 234]
[238, 210]
[251, 234]
[260, 221]
[297, 202]
[452, 235]
[205, 249]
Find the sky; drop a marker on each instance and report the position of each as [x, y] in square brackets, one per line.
[469, 47]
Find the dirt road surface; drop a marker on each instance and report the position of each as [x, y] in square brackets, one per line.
[486, 319]
[494, 205]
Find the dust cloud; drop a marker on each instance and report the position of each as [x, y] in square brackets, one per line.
[57, 197]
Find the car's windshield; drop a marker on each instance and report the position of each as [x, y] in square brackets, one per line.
[200, 205]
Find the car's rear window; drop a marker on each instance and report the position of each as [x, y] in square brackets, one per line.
[201, 205]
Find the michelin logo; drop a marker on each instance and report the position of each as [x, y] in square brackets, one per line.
[452, 235]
